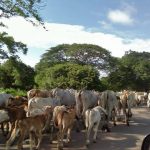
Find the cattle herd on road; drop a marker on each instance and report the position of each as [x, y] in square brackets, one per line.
[61, 109]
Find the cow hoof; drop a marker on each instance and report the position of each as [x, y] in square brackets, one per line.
[108, 130]
[94, 141]
[87, 145]
[60, 147]
[78, 130]
[115, 124]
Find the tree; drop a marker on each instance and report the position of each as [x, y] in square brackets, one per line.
[69, 75]
[132, 72]
[16, 74]
[84, 54]
[8, 8]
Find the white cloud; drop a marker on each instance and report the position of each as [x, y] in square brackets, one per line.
[38, 40]
[121, 17]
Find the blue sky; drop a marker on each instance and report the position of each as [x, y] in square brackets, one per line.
[94, 14]
[117, 25]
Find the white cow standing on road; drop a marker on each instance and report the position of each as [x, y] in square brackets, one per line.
[67, 97]
[109, 102]
[86, 99]
[92, 120]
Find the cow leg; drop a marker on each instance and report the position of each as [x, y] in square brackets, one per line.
[126, 116]
[114, 117]
[60, 139]
[69, 135]
[11, 130]
[95, 132]
[20, 141]
[51, 133]
[32, 139]
[77, 124]
[39, 136]
[7, 128]
[2, 128]
[88, 135]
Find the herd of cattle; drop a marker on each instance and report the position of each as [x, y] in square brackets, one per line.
[61, 109]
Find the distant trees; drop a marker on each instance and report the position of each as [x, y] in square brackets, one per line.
[84, 54]
[132, 72]
[69, 75]
[76, 66]
[15, 74]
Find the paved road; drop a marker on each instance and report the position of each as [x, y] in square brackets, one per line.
[121, 137]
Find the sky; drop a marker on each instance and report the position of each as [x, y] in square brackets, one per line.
[116, 25]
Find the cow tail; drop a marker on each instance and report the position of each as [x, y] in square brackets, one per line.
[79, 104]
[107, 99]
[56, 124]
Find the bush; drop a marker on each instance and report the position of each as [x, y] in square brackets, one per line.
[14, 92]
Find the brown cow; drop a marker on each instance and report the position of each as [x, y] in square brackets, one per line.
[64, 121]
[34, 126]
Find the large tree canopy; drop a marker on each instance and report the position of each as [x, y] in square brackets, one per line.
[69, 75]
[77, 53]
[8, 8]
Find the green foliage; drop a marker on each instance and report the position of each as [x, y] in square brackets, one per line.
[16, 74]
[12, 46]
[8, 8]
[85, 54]
[69, 75]
[25, 8]
[132, 72]
[14, 92]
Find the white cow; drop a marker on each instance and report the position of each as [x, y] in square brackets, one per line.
[109, 102]
[92, 120]
[86, 99]
[36, 105]
[67, 97]
[4, 99]
[127, 100]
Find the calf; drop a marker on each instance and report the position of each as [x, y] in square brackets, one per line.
[33, 125]
[11, 115]
[64, 121]
[92, 120]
